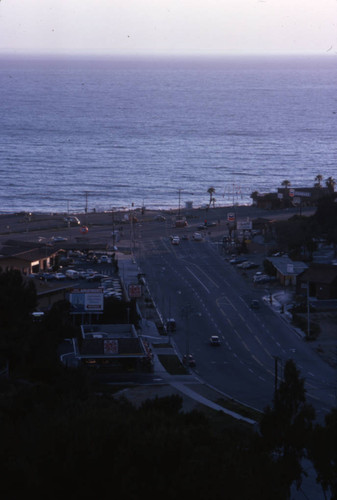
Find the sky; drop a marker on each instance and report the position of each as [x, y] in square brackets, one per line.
[168, 27]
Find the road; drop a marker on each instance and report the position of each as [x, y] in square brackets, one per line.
[207, 296]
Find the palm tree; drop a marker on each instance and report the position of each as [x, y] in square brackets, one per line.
[318, 180]
[286, 183]
[330, 184]
[210, 191]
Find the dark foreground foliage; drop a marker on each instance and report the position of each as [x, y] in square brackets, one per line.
[61, 439]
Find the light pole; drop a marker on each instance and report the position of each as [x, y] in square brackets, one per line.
[185, 313]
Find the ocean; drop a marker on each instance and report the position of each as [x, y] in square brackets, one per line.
[105, 133]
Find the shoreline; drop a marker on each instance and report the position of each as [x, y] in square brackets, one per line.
[159, 209]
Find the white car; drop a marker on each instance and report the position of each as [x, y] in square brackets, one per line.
[60, 276]
[197, 237]
[175, 240]
[72, 220]
[58, 238]
[214, 340]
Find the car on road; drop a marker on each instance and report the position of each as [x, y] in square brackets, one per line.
[175, 240]
[72, 220]
[189, 360]
[58, 238]
[206, 225]
[197, 237]
[171, 325]
[160, 218]
[214, 340]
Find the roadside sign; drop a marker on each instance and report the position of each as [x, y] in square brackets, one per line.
[135, 290]
[231, 216]
[291, 192]
[87, 300]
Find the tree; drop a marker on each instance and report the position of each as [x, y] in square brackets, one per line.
[18, 300]
[330, 184]
[318, 180]
[323, 453]
[286, 184]
[286, 427]
[210, 191]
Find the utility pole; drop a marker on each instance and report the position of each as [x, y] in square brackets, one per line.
[113, 228]
[86, 206]
[276, 359]
[308, 310]
[179, 191]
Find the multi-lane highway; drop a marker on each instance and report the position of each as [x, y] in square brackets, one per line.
[207, 296]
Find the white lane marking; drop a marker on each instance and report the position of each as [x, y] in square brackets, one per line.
[196, 277]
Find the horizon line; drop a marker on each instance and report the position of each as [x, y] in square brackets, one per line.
[147, 55]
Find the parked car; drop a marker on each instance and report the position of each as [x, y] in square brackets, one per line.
[46, 276]
[237, 260]
[60, 276]
[263, 278]
[96, 277]
[104, 259]
[248, 265]
[214, 340]
[242, 265]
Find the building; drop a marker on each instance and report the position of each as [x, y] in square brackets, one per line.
[27, 257]
[287, 270]
[112, 348]
[322, 281]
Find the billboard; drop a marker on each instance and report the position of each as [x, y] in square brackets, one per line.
[89, 300]
[244, 225]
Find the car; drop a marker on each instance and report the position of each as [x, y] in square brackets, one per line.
[171, 325]
[175, 240]
[249, 265]
[261, 278]
[237, 260]
[96, 277]
[197, 237]
[189, 360]
[160, 218]
[58, 238]
[72, 220]
[104, 259]
[214, 340]
[60, 276]
[46, 276]
[255, 304]
[242, 265]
